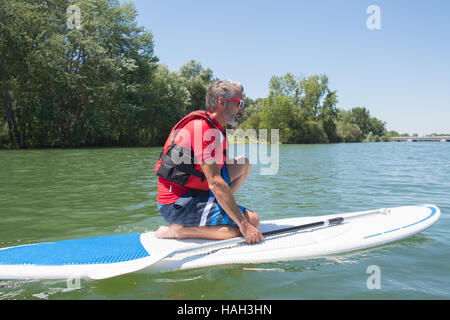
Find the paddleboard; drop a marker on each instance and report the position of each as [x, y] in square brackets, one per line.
[81, 257]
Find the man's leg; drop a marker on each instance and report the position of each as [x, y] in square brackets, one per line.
[178, 231]
[219, 232]
[238, 171]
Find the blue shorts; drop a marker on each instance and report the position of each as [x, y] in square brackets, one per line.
[196, 209]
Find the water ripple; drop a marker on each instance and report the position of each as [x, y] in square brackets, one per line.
[48, 195]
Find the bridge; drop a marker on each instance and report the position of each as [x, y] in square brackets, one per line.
[414, 139]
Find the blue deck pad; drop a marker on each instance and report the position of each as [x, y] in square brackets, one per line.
[100, 250]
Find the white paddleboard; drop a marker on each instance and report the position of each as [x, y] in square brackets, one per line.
[81, 257]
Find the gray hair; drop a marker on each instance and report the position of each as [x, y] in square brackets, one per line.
[221, 88]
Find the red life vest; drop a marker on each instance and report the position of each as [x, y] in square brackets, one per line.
[176, 163]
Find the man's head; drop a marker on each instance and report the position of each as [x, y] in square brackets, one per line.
[218, 100]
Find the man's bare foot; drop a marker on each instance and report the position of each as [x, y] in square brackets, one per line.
[171, 231]
[161, 232]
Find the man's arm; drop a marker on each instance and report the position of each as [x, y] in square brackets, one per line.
[225, 197]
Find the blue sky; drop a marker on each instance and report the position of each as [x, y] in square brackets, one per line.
[400, 72]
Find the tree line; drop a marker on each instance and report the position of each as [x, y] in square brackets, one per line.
[304, 110]
[102, 85]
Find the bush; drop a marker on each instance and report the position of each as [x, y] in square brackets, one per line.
[314, 132]
[348, 132]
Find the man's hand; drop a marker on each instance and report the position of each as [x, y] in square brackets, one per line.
[251, 234]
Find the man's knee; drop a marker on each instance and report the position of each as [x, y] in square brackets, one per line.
[241, 160]
[253, 218]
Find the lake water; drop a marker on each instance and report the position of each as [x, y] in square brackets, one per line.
[49, 195]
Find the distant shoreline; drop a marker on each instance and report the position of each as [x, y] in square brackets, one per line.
[234, 142]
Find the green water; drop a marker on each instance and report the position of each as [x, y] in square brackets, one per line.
[48, 195]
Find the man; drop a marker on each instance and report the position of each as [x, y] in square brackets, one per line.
[196, 183]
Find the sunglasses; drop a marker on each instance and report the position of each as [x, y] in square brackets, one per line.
[241, 102]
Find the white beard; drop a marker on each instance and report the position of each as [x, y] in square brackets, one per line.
[233, 119]
[234, 122]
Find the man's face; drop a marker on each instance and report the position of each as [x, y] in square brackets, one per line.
[232, 110]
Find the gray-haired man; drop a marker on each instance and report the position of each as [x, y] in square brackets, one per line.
[197, 182]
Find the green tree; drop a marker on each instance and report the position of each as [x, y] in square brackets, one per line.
[388, 136]
[252, 107]
[377, 126]
[277, 113]
[314, 132]
[371, 127]
[348, 132]
[164, 106]
[313, 108]
[197, 81]
[63, 87]
[361, 117]
[287, 86]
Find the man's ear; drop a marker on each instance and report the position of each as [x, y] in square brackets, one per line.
[221, 101]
